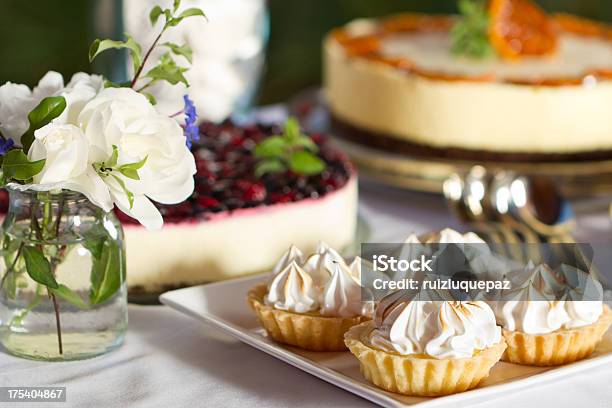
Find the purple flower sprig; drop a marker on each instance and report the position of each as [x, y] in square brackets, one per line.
[192, 133]
[6, 145]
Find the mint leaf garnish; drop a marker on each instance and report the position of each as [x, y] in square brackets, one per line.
[292, 150]
[469, 36]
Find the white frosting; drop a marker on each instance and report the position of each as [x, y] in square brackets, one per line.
[293, 254]
[534, 308]
[342, 294]
[292, 290]
[324, 283]
[582, 313]
[320, 265]
[450, 236]
[443, 330]
[447, 236]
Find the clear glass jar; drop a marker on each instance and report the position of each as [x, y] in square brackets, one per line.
[62, 266]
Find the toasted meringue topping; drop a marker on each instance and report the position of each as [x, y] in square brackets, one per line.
[292, 254]
[342, 294]
[539, 305]
[438, 329]
[292, 290]
[324, 283]
[320, 265]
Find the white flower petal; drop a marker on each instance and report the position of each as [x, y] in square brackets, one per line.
[49, 85]
[65, 149]
[16, 101]
[93, 187]
[143, 209]
[88, 184]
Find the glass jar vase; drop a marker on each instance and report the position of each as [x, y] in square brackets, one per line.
[62, 268]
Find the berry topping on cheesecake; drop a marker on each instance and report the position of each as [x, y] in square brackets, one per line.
[227, 176]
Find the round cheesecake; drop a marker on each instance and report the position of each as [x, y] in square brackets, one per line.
[395, 81]
[237, 243]
[236, 223]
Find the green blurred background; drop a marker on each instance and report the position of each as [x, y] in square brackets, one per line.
[38, 35]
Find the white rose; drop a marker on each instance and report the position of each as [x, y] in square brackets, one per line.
[16, 101]
[81, 89]
[124, 118]
[65, 150]
[49, 85]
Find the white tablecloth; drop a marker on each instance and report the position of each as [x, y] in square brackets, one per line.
[169, 360]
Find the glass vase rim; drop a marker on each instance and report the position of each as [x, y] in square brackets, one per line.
[52, 195]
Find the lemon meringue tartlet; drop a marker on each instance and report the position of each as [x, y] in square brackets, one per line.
[558, 347]
[543, 331]
[427, 348]
[311, 304]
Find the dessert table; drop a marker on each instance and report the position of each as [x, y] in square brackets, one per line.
[171, 360]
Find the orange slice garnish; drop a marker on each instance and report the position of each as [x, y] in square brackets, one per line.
[519, 28]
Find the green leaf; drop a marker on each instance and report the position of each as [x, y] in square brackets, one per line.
[38, 267]
[130, 170]
[99, 46]
[176, 5]
[469, 36]
[134, 166]
[106, 273]
[111, 84]
[273, 146]
[306, 163]
[154, 15]
[269, 166]
[94, 246]
[180, 50]
[130, 173]
[17, 166]
[112, 162]
[191, 12]
[69, 296]
[47, 110]
[307, 143]
[128, 193]
[135, 51]
[292, 128]
[95, 237]
[150, 97]
[167, 70]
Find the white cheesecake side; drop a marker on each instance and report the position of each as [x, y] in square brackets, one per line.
[495, 115]
[245, 242]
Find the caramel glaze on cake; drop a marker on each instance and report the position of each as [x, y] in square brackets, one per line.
[387, 100]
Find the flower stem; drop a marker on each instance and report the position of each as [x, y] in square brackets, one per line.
[11, 269]
[146, 57]
[58, 324]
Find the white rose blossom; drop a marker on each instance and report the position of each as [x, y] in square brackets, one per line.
[65, 150]
[16, 101]
[78, 145]
[124, 118]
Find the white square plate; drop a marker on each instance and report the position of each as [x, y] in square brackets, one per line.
[223, 305]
